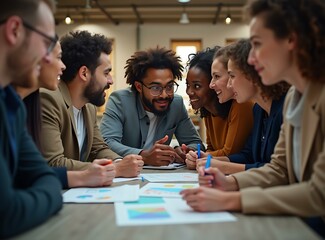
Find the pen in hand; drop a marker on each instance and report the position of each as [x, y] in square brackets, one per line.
[198, 150]
[207, 165]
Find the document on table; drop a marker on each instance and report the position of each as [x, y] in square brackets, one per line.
[120, 179]
[170, 177]
[169, 167]
[102, 195]
[157, 211]
[165, 189]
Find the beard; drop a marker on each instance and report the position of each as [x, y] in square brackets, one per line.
[150, 105]
[94, 94]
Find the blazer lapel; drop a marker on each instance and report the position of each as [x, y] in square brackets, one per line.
[143, 119]
[67, 99]
[310, 121]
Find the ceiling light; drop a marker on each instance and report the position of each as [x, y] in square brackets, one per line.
[184, 19]
[184, 1]
[68, 20]
[228, 19]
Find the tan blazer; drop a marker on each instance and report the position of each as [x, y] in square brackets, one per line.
[278, 191]
[60, 144]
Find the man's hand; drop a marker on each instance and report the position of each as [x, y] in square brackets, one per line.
[181, 152]
[130, 166]
[160, 154]
[99, 173]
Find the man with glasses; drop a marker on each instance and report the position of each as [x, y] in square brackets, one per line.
[69, 123]
[142, 119]
[30, 191]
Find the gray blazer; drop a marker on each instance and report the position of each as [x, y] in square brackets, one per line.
[125, 123]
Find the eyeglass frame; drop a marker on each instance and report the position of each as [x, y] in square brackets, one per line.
[162, 88]
[53, 40]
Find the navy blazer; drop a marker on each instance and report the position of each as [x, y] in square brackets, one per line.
[30, 191]
[255, 155]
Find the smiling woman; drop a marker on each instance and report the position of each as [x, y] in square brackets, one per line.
[228, 123]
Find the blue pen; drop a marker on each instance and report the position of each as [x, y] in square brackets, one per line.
[198, 150]
[208, 162]
[207, 165]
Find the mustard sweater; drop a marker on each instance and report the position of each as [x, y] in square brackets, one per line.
[228, 136]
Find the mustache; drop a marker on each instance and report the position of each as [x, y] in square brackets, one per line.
[162, 99]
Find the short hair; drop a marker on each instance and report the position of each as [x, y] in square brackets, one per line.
[238, 53]
[203, 60]
[26, 9]
[81, 48]
[304, 18]
[157, 58]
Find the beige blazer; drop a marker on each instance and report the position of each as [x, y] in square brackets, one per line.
[277, 190]
[60, 144]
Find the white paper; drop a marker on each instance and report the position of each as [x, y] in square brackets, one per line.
[102, 195]
[171, 177]
[157, 211]
[169, 167]
[120, 179]
[165, 189]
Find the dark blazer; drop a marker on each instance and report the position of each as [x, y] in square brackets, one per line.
[255, 155]
[30, 191]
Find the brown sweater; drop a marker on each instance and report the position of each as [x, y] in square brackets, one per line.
[228, 136]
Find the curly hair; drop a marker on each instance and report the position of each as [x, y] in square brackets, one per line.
[203, 60]
[238, 53]
[305, 19]
[224, 108]
[81, 48]
[157, 58]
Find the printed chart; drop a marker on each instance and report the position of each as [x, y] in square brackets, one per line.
[165, 189]
[170, 177]
[102, 195]
[156, 211]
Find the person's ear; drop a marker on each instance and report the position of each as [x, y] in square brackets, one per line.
[292, 41]
[83, 73]
[138, 86]
[13, 30]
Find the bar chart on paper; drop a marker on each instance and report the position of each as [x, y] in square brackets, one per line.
[165, 189]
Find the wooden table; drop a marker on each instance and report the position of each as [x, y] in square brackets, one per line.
[97, 221]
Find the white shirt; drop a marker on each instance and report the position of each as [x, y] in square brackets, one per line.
[80, 127]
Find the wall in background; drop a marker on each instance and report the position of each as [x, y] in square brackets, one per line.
[151, 35]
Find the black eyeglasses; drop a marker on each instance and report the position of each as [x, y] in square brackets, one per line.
[51, 41]
[157, 90]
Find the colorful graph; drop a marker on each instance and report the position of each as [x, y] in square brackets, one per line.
[147, 200]
[104, 197]
[164, 190]
[84, 196]
[148, 213]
